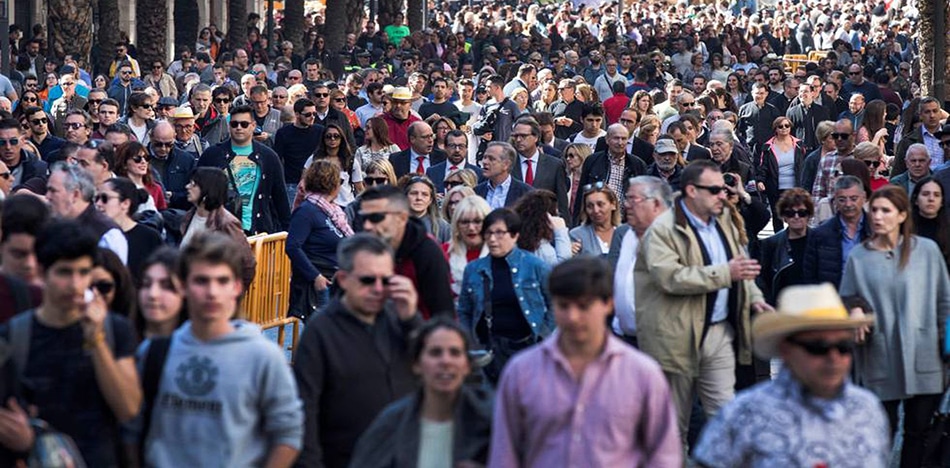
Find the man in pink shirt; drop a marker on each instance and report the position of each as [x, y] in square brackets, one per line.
[584, 397]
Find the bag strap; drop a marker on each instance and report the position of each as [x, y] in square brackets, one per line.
[21, 328]
[227, 167]
[151, 379]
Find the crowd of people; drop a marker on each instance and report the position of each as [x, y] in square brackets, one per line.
[521, 236]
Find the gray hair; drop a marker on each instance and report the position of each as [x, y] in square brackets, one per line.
[362, 242]
[654, 188]
[723, 132]
[917, 147]
[507, 149]
[848, 181]
[76, 179]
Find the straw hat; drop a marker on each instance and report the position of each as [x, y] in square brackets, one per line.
[401, 94]
[802, 308]
[183, 112]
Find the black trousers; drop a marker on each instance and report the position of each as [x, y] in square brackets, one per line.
[918, 412]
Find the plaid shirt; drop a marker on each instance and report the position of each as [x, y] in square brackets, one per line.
[615, 178]
[823, 180]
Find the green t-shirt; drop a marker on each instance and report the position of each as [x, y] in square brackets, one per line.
[246, 177]
[396, 33]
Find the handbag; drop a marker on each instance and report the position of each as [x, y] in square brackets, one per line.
[937, 439]
[235, 204]
[53, 449]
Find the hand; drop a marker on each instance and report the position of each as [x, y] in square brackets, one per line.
[741, 268]
[262, 137]
[861, 334]
[881, 134]
[760, 186]
[762, 307]
[94, 315]
[575, 248]
[15, 431]
[321, 283]
[487, 136]
[557, 222]
[404, 295]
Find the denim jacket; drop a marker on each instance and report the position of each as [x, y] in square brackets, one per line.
[529, 275]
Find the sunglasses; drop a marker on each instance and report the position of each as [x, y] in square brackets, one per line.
[30, 99]
[873, 164]
[822, 348]
[137, 159]
[40, 121]
[712, 189]
[321, 95]
[591, 187]
[279, 96]
[308, 114]
[784, 126]
[378, 180]
[840, 136]
[146, 106]
[240, 123]
[854, 73]
[371, 280]
[451, 184]
[74, 125]
[332, 136]
[222, 101]
[104, 198]
[126, 72]
[375, 218]
[163, 144]
[10, 142]
[103, 286]
[6, 175]
[795, 213]
[339, 100]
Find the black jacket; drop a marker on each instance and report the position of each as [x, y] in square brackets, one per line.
[173, 174]
[805, 121]
[31, 165]
[823, 262]
[347, 372]
[271, 207]
[809, 172]
[596, 168]
[767, 168]
[673, 180]
[755, 124]
[421, 259]
[775, 257]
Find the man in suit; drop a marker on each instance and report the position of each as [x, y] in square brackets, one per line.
[535, 168]
[457, 143]
[420, 156]
[551, 144]
[500, 189]
[690, 151]
[613, 167]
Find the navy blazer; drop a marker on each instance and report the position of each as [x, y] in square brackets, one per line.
[175, 176]
[515, 192]
[550, 174]
[401, 163]
[437, 174]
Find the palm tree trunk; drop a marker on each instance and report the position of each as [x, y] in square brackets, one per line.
[151, 25]
[186, 25]
[334, 31]
[108, 34]
[237, 24]
[387, 11]
[415, 11]
[70, 27]
[925, 40]
[293, 24]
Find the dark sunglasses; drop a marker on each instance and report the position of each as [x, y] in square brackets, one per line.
[146, 106]
[339, 100]
[451, 184]
[371, 280]
[240, 123]
[222, 101]
[784, 126]
[332, 136]
[854, 73]
[321, 95]
[795, 213]
[822, 348]
[873, 164]
[103, 286]
[138, 158]
[11, 142]
[163, 144]
[308, 114]
[40, 121]
[374, 218]
[840, 136]
[376, 180]
[712, 189]
[30, 99]
[103, 198]
[945, 143]
[6, 175]
[591, 187]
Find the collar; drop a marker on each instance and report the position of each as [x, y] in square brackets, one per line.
[505, 183]
[414, 155]
[694, 220]
[612, 346]
[617, 160]
[844, 225]
[534, 157]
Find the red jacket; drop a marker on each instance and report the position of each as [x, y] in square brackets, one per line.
[399, 130]
[614, 106]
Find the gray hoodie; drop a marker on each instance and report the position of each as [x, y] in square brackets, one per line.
[225, 402]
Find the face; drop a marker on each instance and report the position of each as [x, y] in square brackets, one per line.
[706, 203]
[592, 123]
[796, 217]
[423, 139]
[420, 198]
[10, 146]
[930, 114]
[855, 74]
[886, 219]
[67, 281]
[930, 200]
[599, 208]
[391, 227]
[18, 257]
[200, 101]
[184, 129]
[856, 103]
[681, 140]
[108, 202]
[367, 299]
[457, 148]
[125, 74]
[821, 375]
[212, 291]
[160, 295]
[138, 164]
[581, 321]
[523, 140]
[784, 128]
[261, 103]
[720, 148]
[759, 94]
[338, 101]
[145, 111]
[849, 202]
[102, 281]
[500, 242]
[844, 138]
[242, 128]
[469, 226]
[617, 140]
[222, 104]
[918, 163]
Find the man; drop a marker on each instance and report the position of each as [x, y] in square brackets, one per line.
[788, 93]
[547, 409]
[831, 242]
[776, 77]
[165, 108]
[417, 84]
[33, 56]
[686, 102]
[98, 161]
[68, 101]
[533, 167]
[312, 78]
[210, 125]
[456, 142]
[805, 117]
[667, 109]
[248, 82]
[755, 119]
[440, 105]
[636, 146]
[121, 89]
[647, 198]
[354, 86]
[23, 218]
[384, 211]
[606, 84]
[237, 380]
[72, 345]
[918, 163]
[374, 106]
[681, 136]
[855, 112]
[695, 290]
[831, 98]
[592, 117]
[567, 111]
[240, 67]
[421, 155]
[928, 110]
[256, 171]
[326, 115]
[40, 135]
[122, 57]
[858, 84]
[527, 79]
[171, 167]
[612, 167]
[499, 189]
[183, 121]
[400, 117]
[551, 143]
[108, 112]
[844, 146]
[466, 103]
[22, 164]
[496, 117]
[682, 58]
[666, 163]
[295, 143]
[615, 104]
[266, 119]
[365, 330]
[78, 127]
[814, 337]
[293, 77]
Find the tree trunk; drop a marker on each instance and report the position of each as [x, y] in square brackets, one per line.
[70, 27]
[387, 11]
[415, 15]
[334, 31]
[186, 25]
[237, 24]
[925, 40]
[108, 34]
[293, 24]
[354, 16]
[151, 26]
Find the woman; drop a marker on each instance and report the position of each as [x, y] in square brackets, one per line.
[548, 96]
[221, 98]
[49, 83]
[649, 130]
[599, 218]
[904, 280]
[736, 90]
[742, 62]
[441, 126]
[334, 148]
[111, 279]
[119, 199]
[100, 82]
[545, 234]
[930, 218]
[446, 423]
[132, 161]
[520, 97]
[873, 124]
[208, 191]
[295, 93]
[378, 172]
[338, 102]
[697, 68]
[779, 165]
[454, 196]
[207, 43]
[643, 103]
[466, 244]
[782, 254]
[503, 301]
[718, 70]
[161, 296]
[140, 115]
[873, 156]
[316, 227]
[376, 143]
[422, 204]
[28, 99]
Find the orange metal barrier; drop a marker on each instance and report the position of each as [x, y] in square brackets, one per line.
[268, 296]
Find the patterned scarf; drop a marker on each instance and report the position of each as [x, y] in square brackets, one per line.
[332, 210]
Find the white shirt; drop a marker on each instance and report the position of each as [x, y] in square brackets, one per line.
[115, 240]
[534, 165]
[592, 142]
[625, 307]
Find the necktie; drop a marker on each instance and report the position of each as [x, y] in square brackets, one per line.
[453, 169]
[420, 169]
[528, 173]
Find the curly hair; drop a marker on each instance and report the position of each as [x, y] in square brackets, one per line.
[534, 208]
[794, 197]
[322, 177]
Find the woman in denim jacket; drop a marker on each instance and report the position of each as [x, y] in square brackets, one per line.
[503, 301]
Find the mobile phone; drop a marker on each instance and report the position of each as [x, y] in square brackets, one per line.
[88, 296]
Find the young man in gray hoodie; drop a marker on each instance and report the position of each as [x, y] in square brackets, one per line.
[226, 396]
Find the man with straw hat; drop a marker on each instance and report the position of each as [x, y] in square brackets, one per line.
[811, 414]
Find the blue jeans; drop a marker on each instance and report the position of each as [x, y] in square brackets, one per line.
[291, 194]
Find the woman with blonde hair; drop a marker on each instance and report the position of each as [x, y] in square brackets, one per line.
[643, 103]
[574, 156]
[338, 102]
[466, 243]
[295, 93]
[422, 204]
[600, 216]
[587, 93]
[520, 96]
[453, 197]
[441, 126]
[649, 129]
[872, 156]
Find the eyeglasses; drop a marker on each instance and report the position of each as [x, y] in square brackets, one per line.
[688, 104]
[30, 99]
[591, 187]
[40, 121]
[222, 101]
[94, 102]
[451, 184]
[279, 96]
[240, 123]
[376, 180]
[6, 175]
[11, 142]
[126, 72]
[803, 213]
[712, 189]
[372, 280]
[321, 95]
[103, 286]
[840, 136]
[375, 218]
[854, 73]
[163, 144]
[157, 67]
[67, 84]
[332, 136]
[783, 126]
[295, 78]
[74, 125]
[822, 348]
[308, 114]
[137, 159]
[104, 198]
[470, 222]
[873, 164]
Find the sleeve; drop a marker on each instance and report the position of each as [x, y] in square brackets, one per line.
[507, 434]
[301, 226]
[466, 308]
[434, 276]
[280, 405]
[115, 241]
[309, 373]
[849, 286]
[561, 190]
[673, 276]
[810, 260]
[562, 245]
[279, 195]
[356, 175]
[719, 444]
[660, 431]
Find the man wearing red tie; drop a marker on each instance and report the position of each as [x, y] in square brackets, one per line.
[420, 155]
[456, 142]
[535, 168]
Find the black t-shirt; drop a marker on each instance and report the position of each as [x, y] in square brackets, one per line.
[445, 109]
[508, 319]
[61, 381]
[142, 240]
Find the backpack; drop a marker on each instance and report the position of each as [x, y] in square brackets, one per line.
[151, 380]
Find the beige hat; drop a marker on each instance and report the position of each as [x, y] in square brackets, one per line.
[401, 94]
[665, 145]
[801, 308]
[183, 112]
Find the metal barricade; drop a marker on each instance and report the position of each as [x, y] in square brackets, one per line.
[268, 296]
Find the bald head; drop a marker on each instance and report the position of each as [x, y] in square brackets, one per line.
[421, 137]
